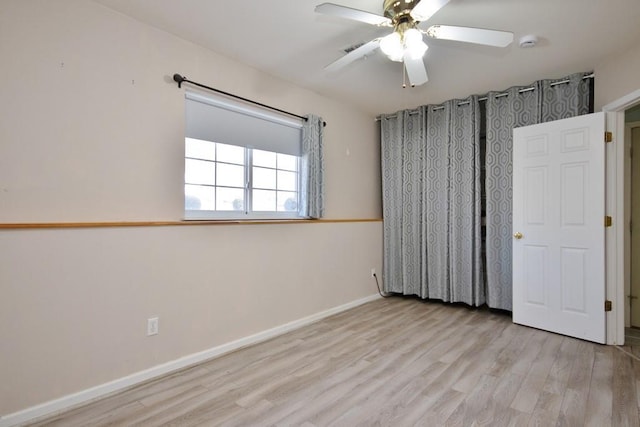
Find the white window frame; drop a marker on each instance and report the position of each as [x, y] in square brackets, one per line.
[248, 213]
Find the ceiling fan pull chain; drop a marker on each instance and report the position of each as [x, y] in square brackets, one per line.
[404, 75]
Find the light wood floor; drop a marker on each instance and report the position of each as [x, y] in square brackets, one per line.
[392, 362]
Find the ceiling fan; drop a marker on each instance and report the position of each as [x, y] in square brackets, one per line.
[405, 44]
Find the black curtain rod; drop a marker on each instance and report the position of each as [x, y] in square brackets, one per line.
[499, 95]
[181, 79]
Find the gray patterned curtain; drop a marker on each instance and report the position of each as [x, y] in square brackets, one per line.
[312, 168]
[544, 101]
[431, 169]
[465, 206]
[432, 202]
[435, 220]
[402, 148]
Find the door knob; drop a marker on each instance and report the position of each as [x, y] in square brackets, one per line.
[518, 235]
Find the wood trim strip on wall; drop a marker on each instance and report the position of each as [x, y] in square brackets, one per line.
[45, 225]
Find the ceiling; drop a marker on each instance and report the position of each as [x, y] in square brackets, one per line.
[286, 39]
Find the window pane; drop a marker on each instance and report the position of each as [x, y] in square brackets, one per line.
[287, 180]
[264, 158]
[287, 201]
[264, 200]
[199, 172]
[230, 175]
[287, 162]
[230, 199]
[264, 178]
[199, 149]
[230, 154]
[199, 197]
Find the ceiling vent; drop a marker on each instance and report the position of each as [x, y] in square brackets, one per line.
[352, 47]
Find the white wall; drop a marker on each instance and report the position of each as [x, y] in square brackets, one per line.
[617, 76]
[91, 129]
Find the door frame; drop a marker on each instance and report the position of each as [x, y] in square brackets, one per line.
[628, 127]
[617, 198]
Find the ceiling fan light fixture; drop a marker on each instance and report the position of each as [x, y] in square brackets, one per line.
[413, 43]
[412, 37]
[391, 45]
[417, 50]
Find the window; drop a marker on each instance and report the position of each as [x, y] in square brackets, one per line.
[240, 162]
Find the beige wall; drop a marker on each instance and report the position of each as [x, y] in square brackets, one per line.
[92, 123]
[74, 303]
[91, 129]
[617, 76]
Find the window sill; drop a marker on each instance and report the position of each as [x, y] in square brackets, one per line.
[260, 216]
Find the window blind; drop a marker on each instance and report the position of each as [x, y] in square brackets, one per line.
[229, 122]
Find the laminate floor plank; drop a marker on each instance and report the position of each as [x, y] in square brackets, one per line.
[600, 403]
[484, 360]
[625, 411]
[394, 386]
[312, 394]
[559, 374]
[164, 410]
[403, 353]
[636, 369]
[392, 362]
[511, 352]
[522, 364]
[547, 410]
[496, 410]
[536, 377]
[432, 409]
[96, 416]
[398, 403]
[472, 408]
[439, 400]
[574, 403]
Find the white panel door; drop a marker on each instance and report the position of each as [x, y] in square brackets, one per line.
[558, 227]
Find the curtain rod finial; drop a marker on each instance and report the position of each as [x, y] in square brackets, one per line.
[324, 124]
[179, 79]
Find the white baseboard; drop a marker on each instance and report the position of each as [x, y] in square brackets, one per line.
[64, 403]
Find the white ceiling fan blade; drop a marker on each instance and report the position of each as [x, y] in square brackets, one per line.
[358, 53]
[471, 35]
[354, 14]
[415, 70]
[425, 9]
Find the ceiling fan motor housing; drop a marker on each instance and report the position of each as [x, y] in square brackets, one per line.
[399, 10]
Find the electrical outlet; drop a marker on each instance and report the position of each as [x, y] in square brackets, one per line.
[152, 326]
[373, 272]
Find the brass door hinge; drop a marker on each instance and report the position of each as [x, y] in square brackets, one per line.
[608, 221]
[608, 137]
[607, 305]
